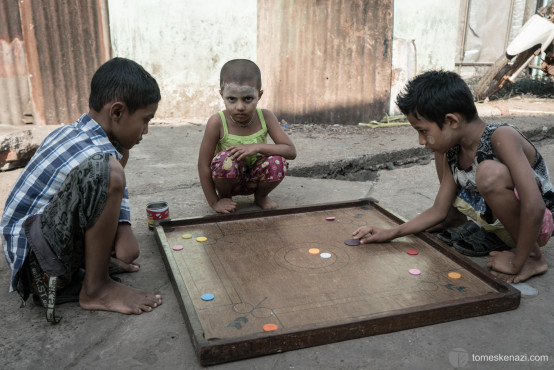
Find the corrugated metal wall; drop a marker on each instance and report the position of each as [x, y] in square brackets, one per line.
[14, 88]
[325, 61]
[64, 41]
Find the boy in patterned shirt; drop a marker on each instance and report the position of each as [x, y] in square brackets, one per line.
[494, 162]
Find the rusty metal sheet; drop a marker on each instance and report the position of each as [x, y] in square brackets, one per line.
[325, 61]
[14, 89]
[65, 42]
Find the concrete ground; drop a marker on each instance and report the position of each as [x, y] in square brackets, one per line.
[163, 167]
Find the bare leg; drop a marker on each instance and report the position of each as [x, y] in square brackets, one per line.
[261, 196]
[126, 246]
[495, 184]
[99, 291]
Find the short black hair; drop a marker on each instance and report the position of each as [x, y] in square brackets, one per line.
[434, 94]
[240, 71]
[121, 79]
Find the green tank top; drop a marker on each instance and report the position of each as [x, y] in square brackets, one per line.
[229, 140]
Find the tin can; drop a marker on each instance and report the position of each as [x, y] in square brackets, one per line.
[156, 212]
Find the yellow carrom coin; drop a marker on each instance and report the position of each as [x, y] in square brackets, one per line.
[201, 239]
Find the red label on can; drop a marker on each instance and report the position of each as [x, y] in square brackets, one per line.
[156, 211]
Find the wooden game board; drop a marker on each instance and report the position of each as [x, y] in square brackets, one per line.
[257, 266]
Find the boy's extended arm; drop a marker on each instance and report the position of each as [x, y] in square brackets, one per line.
[508, 147]
[428, 218]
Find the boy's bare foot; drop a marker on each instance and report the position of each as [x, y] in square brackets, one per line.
[534, 265]
[116, 297]
[265, 202]
[117, 266]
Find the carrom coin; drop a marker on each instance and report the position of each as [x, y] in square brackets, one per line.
[352, 242]
[270, 327]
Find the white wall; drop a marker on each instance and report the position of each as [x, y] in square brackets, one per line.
[184, 43]
[425, 36]
[433, 24]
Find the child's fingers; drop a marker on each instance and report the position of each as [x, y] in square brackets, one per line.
[357, 231]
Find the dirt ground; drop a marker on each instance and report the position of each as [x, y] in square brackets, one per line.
[163, 167]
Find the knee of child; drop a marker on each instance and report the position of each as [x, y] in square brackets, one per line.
[491, 175]
[223, 166]
[280, 163]
[221, 156]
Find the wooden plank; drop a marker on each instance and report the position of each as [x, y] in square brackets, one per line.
[258, 266]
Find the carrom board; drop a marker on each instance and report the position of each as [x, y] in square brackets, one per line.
[259, 269]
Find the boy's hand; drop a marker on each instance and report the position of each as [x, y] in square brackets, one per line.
[238, 152]
[372, 234]
[225, 205]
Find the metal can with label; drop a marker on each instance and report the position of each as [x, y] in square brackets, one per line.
[156, 212]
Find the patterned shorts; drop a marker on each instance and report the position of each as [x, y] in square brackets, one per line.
[57, 236]
[264, 169]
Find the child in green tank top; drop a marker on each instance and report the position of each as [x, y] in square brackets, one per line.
[234, 157]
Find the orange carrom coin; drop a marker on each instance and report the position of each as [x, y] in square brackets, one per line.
[270, 327]
[313, 251]
[454, 275]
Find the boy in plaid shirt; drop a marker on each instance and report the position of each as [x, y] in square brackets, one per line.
[70, 205]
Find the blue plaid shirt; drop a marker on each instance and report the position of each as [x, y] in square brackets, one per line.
[61, 151]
